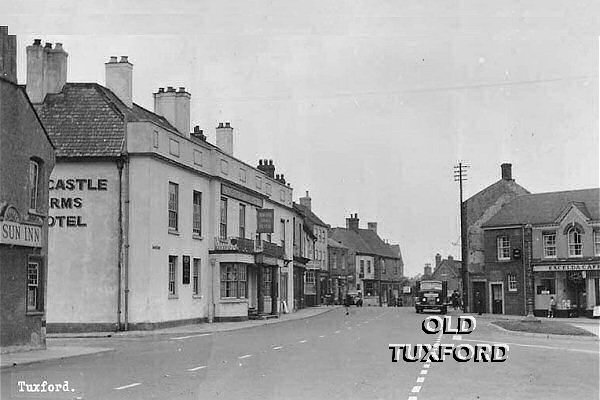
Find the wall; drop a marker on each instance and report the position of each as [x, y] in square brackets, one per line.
[83, 252]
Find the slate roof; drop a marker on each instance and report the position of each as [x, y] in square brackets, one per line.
[543, 208]
[335, 243]
[365, 241]
[452, 265]
[480, 202]
[88, 120]
[311, 216]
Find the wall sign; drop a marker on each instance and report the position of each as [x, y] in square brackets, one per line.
[265, 220]
[20, 234]
[567, 267]
[61, 198]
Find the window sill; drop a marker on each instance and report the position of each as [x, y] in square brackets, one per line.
[512, 290]
[34, 313]
[504, 259]
[579, 256]
[173, 296]
[174, 232]
[233, 300]
[197, 296]
[197, 237]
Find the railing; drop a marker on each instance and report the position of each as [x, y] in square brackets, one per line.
[272, 250]
[241, 245]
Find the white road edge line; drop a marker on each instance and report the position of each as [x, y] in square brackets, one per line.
[190, 336]
[128, 386]
[197, 368]
[245, 356]
[533, 345]
[416, 389]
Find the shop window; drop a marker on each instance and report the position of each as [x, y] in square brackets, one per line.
[34, 297]
[267, 281]
[575, 239]
[172, 276]
[546, 286]
[233, 281]
[196, 277]
[549, 240]
[503, 246]
[512, 282]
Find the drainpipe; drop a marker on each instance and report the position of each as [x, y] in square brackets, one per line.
[120, 252]
[123, 307]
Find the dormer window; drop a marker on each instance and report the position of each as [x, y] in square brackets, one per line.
[575, 239]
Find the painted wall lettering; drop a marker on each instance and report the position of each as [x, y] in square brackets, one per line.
[70, 203]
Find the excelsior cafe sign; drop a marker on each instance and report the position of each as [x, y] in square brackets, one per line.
[568, 267]
[20, 234]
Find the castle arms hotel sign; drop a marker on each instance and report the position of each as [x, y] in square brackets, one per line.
[19, 234]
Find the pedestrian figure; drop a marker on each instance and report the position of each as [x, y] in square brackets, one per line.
[347, 303]
[551, 307]
[478, 303]
[455, 299]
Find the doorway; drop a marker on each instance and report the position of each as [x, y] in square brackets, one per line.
[497, 298]
[479, 302]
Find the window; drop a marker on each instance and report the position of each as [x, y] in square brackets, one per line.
[549, 240]
[198, 157]
[223, 220]
[512, 282]
[34, 184]
[368, 266]
[333, 260]
[268, 189]
[546, 286]
[597, 243]
[310, 277]
[242, 175]
[173, 205]
[283, 284]
[267, 281]
[172, 275]
[242, 220]
[383, 266]
[282, 222]
[197, 214]
[258, 182]
[174, 147]
[575, 243]
[503, 245]
[196, 277]
[362, 267]
[224, 167]
[281, 195]
[186, 270]
[233, 281]
[155, 139]
[33, 287]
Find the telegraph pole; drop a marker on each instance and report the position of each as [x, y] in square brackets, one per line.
[460, 175]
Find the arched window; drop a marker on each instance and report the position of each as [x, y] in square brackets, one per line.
[575, 239]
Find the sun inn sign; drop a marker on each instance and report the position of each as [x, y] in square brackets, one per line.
[20, 234]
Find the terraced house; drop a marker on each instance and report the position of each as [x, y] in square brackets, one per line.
[151, 225]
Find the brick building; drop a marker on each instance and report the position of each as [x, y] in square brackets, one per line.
[339, 270]
[26, 161]
[448, 270]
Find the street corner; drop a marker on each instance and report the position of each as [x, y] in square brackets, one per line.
[10, 360]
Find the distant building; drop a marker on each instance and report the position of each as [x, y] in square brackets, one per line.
[340, 272]
[26, 161]
[479, 209]
[555, 235]
[448, 270]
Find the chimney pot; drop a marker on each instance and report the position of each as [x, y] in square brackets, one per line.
[220, 125]
[37, 42]
[58, 46]
[170, 89]
[277, 177]
[124, 59]
[48, 45]
[197, 129]
[113, 59]
[181, 89]
[270, 162]
[260, 163]
[506, 171]
[227, 125]
[161, 90]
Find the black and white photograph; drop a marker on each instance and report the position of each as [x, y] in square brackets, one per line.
[316, 199]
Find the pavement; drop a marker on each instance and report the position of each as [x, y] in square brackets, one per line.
[328, 356]
[61, 349]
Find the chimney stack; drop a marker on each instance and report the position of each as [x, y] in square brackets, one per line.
[225, 138]
[198, 133]
[506, 171]
[119, 79]
[46, 70]
[450, 258]
[372, 226]
[438, 260]
[8, 55]
[175, 107]
[306, 201]
[427, 270]
[352, 222]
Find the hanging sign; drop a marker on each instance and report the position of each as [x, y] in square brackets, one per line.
[265, 220]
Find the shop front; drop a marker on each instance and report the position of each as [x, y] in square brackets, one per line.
[574, 286]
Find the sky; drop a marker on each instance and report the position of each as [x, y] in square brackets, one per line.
[369, 104]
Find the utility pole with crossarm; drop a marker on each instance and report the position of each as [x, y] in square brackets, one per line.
[460, 175]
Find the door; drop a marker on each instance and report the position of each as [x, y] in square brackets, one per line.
[497, 298]
[478, 296]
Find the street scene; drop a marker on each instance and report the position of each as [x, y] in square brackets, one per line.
[347, 200]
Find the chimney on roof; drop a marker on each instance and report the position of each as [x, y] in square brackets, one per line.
[438, 260]
[372, 226]
[225, 138]
[352, 222]
[306, 201]
[198, 133]
[119, 79]
[506, 171]
[46, 70]
[175, 107]
[427, 270]
[8, 55]
[450, 258]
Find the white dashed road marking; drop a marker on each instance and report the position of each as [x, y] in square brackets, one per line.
[302, 341]
[128, 386]
[277, 347]
[197, 368]
[427, 365]
[424, 372]
[416, 389]
[337, 332]
[420, 379]
[412, 398]
[456, 337]
[322, 336]
[191, 336]
[245, 356]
